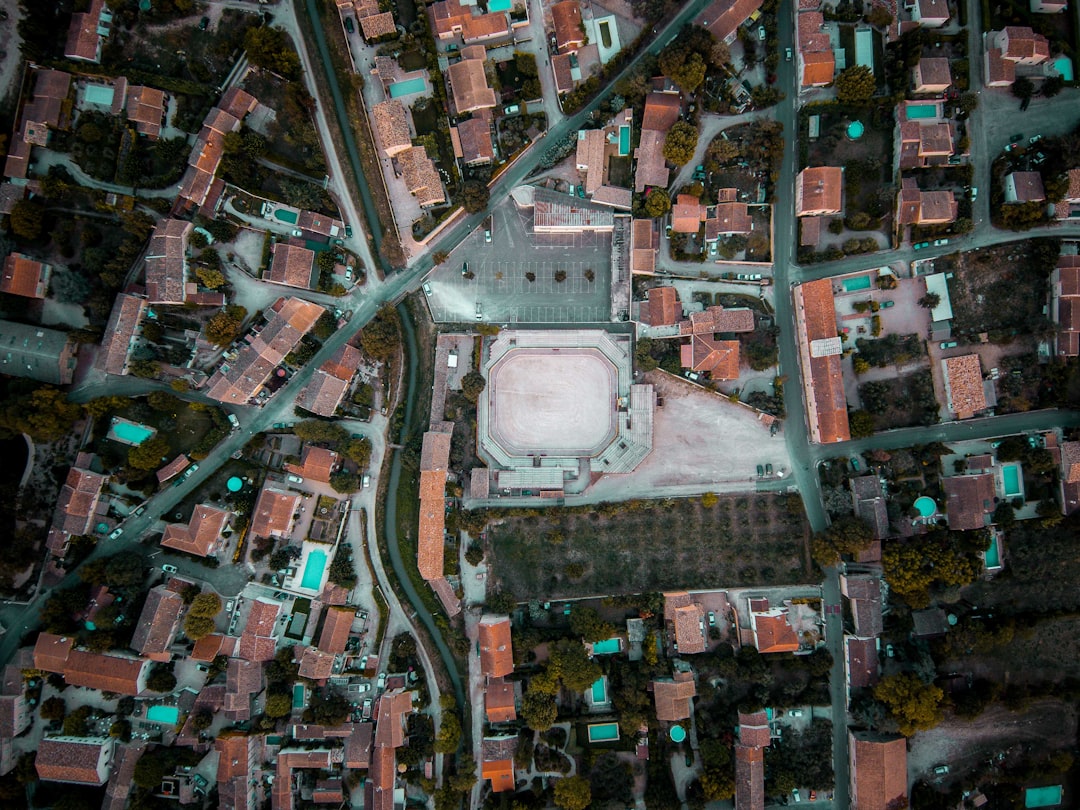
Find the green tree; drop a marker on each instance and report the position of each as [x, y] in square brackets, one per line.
[77, 724]
[278, 705]
[586, 623]
[855, 85]
[571, 664]
[53, 709]
[196, 627]
[538, 709]
[657, 204]
[847, 535]
[573, 793]
[208, 277]
[318, 430]
[475, 196]
[472, 385]
[44, 414]
[683, 66]
[270, 48]
[860, 424]
[1023, 88]
[914, 705]
[150, 454]
[879, 16]
[224, 327]
[449, 737]
[27, 218]
[205, 604]
[344, 482]
[358, 451]
[161, 679]
[380, 338]
[1051, 86]
[680, 143]
[930, 300]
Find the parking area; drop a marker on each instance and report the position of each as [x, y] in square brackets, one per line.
[515, 277]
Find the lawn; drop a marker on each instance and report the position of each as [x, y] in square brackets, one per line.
[983, 290]
[619, 548]
[412, 60]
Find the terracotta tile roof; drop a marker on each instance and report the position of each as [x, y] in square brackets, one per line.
[257, 642]
[107, 673]
[879, 770]
[120, 333]
[496, 651]
[337, 625]
[1023, 44]
[448, 17]
[238, 102]
[421, 177]
[16, 714]
[936, 11]
[378, 25]
[811, 37]
[964, 385]
[83, 40]
[718, 319]
[468, 83]
[316, 665]
[862, 662]
[614, 196]
[322, 395]
[379, 790]
[484, 27]
[234, 757]
[723, 17]
[1070, 462]
[166, 262]
[720, 358]
[146, 109]
[25, 276]
[344, 362]
[969, 500]
[569, 29]
[1021, 187]
[932, 75]
[158, 623]
[662, 110]
[661, 307]
[651, 167]
[201, 534]
[243, 679]
[687, 214]
[773, 633]
[358, 746]
[818, 68]
[316, 463]
[819, 191]
[673, 699]
[728, 218]
[173, 468]
[390, 711]
[51, 652]
[499, 771]
[563, 66]
[999, 70]
[936, 140]
[327, 791]
[828, 403]
[210, 647]
[273, 514]
[74, 760]
[499, 701]
[292, 265]
[77, 503]
[434, 460]
[754, 729]
[1072, 194]
[125, 758]
[643, 245]
[687, 618]
[475, 136]
[749, 778]
[392, 126]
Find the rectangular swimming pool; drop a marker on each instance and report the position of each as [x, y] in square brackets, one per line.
[921, 111]
[498, 5]
[606, 647]
[408, 87]
[992, 555]
[286, 216]
[857, 283]
[624, 141]
[603, 732]
[128, 432]
[1010, 477]
[163, 714]
[1049, 796]
[313, 570]
[599, 691]
[99, 94]
[298, 696]
[1064, 66]
[864, 48]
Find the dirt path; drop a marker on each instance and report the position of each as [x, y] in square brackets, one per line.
[1048, 724]
[10, 42]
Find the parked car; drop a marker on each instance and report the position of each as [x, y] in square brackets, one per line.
[427, 289]
[940, 242]
[349, 25]
[974, 193]
[813, 795]
[855, 463]
[760, 471]
[169, 569]
[366, 481]
[712, 619]
[464, 268]
[116, 533]
[230, 605]
[487, 235]
[787, 54]
[294, 479]
[381, 682]
[949, 344]
[887, 304]
[768, 469]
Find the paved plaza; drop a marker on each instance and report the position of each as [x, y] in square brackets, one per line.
[501, 292]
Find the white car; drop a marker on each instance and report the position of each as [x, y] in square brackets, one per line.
[169, 569]
[294, 479]
[116, 533]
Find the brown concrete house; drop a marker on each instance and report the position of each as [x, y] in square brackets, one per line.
[25, 277]
[158, 623]
[878, 770]
[75, 760]
[819, 191]
[673, 697]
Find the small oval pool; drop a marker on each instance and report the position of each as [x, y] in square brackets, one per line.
[855, 130]
[926, 506]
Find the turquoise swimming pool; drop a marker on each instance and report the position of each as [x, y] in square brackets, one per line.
[603, 732]
[163, 714]
[915, 111]
[100, 94]
[408, 87]
[992, 556]
[678, 734]
[1049, 796]
[624, 141]
[1064, 66]
[286, 216]
[127, 432]
[855, 130]
[858, 283]
[313, 570]
[599, 691]
[606, 647]
[298, 696]
[1010, 477]
[499, 5]
[925, 505]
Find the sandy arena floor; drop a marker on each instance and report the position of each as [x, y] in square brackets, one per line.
[555, 403]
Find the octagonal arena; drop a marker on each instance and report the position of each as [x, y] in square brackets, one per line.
[553, 402]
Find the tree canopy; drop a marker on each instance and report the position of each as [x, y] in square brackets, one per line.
[205, 604]
[150, 454]
[680, 143]
[658, 203]
[914, 705]
[318, 430]
[475, 196]
[586, 622]
[380, 338]
[855, 85]
[847, 535]
[223, 328]
[270, 48]
[573, 793]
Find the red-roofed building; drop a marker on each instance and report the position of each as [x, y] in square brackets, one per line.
[120, 333]
[496, 652]
[1024, 187]
[166, 262]
[434, 461]
[673, 697]
[107, 673]
[717, 358]
[158, 623]
[878, 770]
[662, 110]
[258, 642]
[243, 681]
[772, 631]
[661, 307]
[25, 277]
[1070, 477]
[291, 265]
[316, 463]
[819, 191]
[917, 207]
[687, 214]
[723, 17]
[861, 662]
[274, 513]
[210, 647]
[969, 501]
[820, 351]
[86, 32]
[200, 536]
[749, 778]
[1065, 291]
[239, 757]
[1020, 44]
[964, 385]
[500, 701]
[337, 626]
[74, 760]
[77, 505]
[687, 622]
[569, 29]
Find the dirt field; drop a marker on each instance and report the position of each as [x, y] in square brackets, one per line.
[1047, 724]
[742, 540]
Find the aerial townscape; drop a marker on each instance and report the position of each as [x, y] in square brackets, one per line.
[525, 404]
